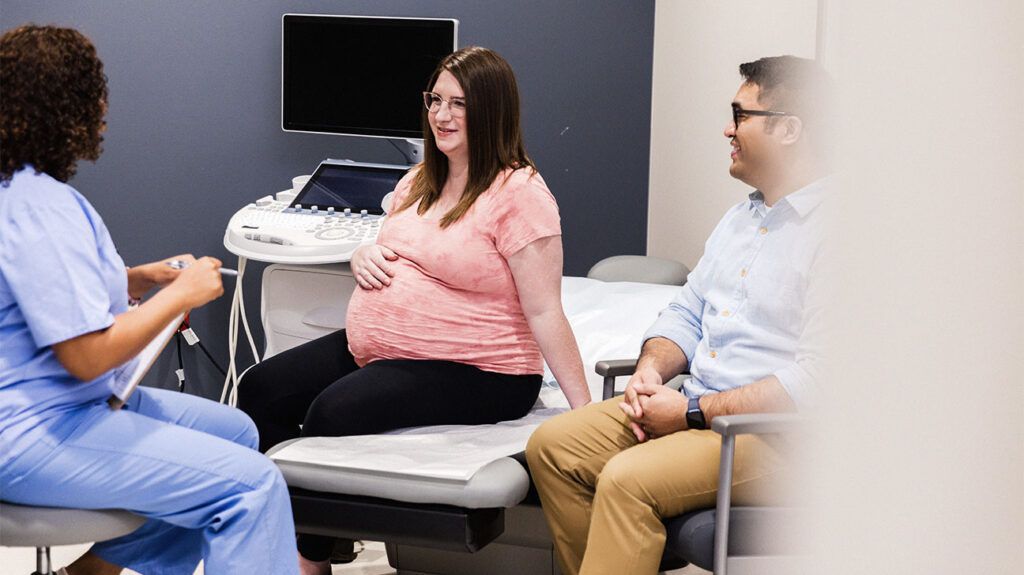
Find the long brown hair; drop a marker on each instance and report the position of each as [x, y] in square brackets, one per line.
[54, 94]
[493, 133]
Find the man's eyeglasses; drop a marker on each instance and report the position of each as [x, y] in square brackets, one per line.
[456, 106]
[738, 114]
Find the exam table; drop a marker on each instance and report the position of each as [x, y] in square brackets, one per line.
[489, 521]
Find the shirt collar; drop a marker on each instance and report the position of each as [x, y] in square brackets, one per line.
[803, 201]
[757, 203]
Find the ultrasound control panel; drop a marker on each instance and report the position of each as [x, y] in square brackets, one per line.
[283, 229]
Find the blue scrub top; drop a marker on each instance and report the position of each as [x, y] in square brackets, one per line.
[60, 277]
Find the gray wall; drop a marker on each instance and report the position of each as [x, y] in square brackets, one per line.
[194, 122]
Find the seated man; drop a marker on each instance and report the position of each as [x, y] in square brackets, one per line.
[609, 473]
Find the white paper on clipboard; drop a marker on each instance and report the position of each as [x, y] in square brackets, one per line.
[123, 387]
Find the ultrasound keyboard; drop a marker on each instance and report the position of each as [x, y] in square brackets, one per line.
[271, 231]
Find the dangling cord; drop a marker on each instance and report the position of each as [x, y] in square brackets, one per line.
[181, 365]
[232, 335]
[206, 352]
[245, 319]
[229, 394]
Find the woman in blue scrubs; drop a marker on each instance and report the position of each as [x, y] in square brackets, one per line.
[67, 334]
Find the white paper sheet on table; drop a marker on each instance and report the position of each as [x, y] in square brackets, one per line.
[450, 452]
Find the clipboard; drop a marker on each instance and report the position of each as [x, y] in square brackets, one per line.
[146, 359]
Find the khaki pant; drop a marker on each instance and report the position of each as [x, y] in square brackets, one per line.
[604, 494]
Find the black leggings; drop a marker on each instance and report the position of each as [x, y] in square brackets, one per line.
[319, 386]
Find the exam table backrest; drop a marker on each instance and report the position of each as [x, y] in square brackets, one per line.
[640, 269]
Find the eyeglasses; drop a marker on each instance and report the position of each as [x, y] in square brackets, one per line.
[738, 114]
[456, 106]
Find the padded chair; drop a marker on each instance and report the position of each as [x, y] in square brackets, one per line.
[43, 527]
[726, 539]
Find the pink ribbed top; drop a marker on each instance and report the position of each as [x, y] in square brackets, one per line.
[453, 296]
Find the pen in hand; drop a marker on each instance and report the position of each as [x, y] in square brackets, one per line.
[181, 264]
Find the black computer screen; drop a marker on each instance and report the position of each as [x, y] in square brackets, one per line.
[359, 75]
[354, 186]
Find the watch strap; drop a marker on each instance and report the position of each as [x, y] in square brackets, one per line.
[694, 415]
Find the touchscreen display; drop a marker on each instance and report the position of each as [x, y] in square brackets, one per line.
[341, 186]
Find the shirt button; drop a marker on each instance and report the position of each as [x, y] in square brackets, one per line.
[763, 231]
[743, 273]
[725, 313]
[714, 354]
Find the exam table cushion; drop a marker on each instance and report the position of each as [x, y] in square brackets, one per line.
[501, 483]
[608, 320]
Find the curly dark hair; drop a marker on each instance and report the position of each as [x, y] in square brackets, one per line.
[54, 99]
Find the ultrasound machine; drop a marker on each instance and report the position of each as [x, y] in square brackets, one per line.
[340, 208]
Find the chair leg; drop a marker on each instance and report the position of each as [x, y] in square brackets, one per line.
[43, 564]
[721, 550]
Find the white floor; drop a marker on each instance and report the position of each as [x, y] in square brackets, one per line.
[372, 561]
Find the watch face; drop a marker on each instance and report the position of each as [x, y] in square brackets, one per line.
[694, 416]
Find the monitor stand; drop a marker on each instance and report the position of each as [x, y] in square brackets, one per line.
[410, 148]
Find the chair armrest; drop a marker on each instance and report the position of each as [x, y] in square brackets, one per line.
[729, 426]
[615, 367]
[758, 423]
[609, 369]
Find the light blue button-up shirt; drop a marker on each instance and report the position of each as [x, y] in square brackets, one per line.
[744, 313]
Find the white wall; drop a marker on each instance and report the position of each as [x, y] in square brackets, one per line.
[922, 466]
[698, 47]
[918, 465]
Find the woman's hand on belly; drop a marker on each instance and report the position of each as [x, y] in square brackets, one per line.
[371, 267]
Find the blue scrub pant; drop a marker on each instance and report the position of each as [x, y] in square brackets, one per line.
[188, 464]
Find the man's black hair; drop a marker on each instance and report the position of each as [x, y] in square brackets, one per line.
[797, 86]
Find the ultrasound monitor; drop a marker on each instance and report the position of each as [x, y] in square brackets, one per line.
[356, 186]
[359, 75]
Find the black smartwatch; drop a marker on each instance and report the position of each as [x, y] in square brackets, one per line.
[694, 415]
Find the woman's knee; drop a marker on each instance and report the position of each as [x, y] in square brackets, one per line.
[220, 421]
[231, 424]
[329, 416]
[265, 485]
[252, 389]
[273, 480]
[248, 435]
[356, 405]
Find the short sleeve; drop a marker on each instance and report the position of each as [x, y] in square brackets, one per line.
[525, 211]
[50, 258]
[402, 190]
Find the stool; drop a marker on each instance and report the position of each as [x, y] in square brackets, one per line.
[43, 527]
